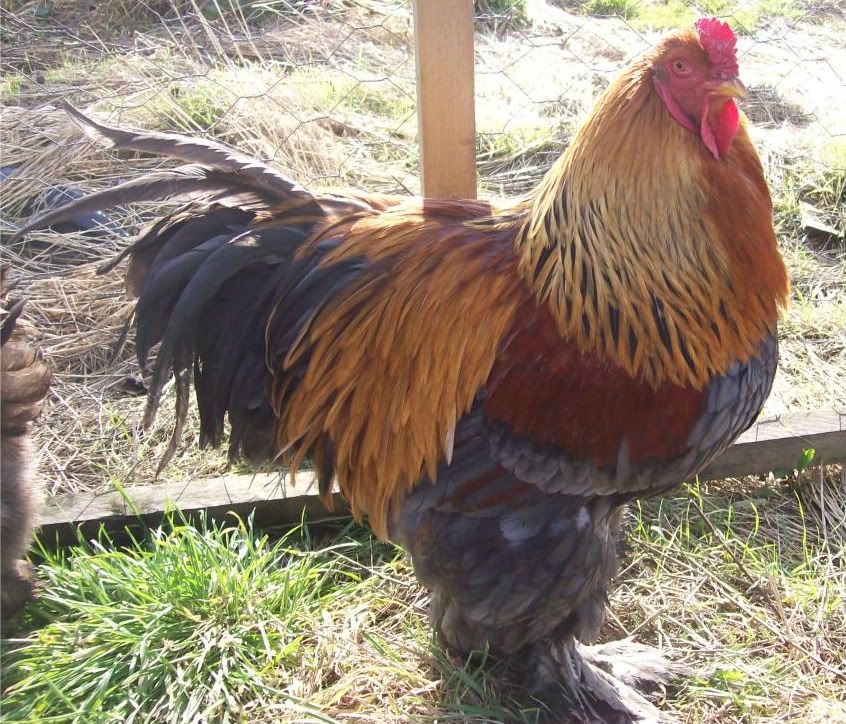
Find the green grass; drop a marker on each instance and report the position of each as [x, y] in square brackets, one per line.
[333, 89]
[499, 15]
[185, 623]
[743, 15]
[220, 623]
[609, 7]
[513, 142]
[325, 623]
[10, 88]
[199, 105]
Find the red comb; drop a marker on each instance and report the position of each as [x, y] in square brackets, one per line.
[718, 40]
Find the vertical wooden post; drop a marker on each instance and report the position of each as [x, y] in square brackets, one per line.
[443, 37]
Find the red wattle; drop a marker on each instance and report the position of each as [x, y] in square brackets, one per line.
[728, 120]
[718, 133]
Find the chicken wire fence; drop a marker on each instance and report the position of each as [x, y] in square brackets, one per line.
[325, 90]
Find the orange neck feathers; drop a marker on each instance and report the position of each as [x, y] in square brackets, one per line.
[649, 250]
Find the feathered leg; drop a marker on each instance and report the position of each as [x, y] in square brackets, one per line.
[525, 573]
[600, 684]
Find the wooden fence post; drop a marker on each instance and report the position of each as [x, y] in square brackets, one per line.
[443, 38]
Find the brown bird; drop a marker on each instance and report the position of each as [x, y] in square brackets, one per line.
[24, 383]
[489, 385]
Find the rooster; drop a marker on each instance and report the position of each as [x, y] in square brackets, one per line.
[488, 385]
[24, 382]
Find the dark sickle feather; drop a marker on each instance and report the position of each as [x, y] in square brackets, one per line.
[185, 182]
[253, 173]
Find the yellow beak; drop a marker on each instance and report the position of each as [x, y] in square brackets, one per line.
[733, 88]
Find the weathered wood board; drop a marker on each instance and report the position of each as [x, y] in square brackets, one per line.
[776, 444]
[272, 499]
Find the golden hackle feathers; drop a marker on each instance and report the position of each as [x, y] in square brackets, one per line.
[628, 242]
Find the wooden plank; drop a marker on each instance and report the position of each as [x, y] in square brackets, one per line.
[272, 499]
[191, 495]
[771, 444]
[443, 36]
[778, 444]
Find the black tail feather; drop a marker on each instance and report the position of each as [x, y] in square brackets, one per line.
[183, 399]
[214, 174]
[219, 282]
[174, 236]
[252, 172]
[185, 183]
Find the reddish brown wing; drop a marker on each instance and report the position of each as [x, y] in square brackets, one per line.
[554, 420]
[545, 390]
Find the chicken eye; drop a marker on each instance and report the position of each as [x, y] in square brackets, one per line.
[680, 67]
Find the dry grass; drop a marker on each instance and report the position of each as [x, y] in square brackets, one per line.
[753, 598]
[328, 112]
[325, 90]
